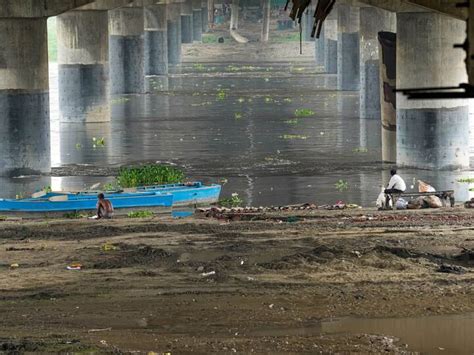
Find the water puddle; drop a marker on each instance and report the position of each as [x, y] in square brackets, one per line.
[452, 334]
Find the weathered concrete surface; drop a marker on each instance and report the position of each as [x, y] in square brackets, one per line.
[348, 63]
[38, 8]
[126, 50]
[372, 21]
[330, 47]
[24, 97]
[174, 33]
[156, 41]
[197, 20]
[186, 22]
[83, 66]
[388, 97]
[432, 134]
[204, 17]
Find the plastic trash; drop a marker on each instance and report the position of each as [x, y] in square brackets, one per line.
[205, 274]
[401, 204]
[14, 266]
[74, 266]
[424, 187]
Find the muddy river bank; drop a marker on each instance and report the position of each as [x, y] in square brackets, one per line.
[314, 282]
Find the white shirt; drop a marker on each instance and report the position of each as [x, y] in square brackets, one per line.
[396, 182]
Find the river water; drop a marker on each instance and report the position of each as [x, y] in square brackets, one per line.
[236, 121]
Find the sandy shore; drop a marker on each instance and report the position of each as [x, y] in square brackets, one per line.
[202, 284]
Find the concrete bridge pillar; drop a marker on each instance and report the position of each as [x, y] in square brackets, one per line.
[187, 22]
[307, 21]
[24, 97]
[330, 40]
[197, 20]
[348, 64]
[388, 98]
[320, 49]
[372, 21]
[126, 50]
[174, 33]
[156, 46]
[83, 66]
[431, 134]
[204, 16]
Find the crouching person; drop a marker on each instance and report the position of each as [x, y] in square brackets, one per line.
[104, 207]
[395, 185]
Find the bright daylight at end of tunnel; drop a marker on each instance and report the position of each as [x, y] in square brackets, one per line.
[237, 176]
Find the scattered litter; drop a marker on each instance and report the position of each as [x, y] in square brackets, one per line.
[74, 266]
[99, 330]
[14, 266]
[205, 274]
[271, 306]
[108, 247]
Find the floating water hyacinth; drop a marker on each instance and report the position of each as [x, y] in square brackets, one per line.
[293, 136]
[342, 185]
[221, 95]
[237, 115]
[292, 122]
[303, 112]
[360, 150]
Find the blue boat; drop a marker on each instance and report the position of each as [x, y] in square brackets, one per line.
[183, 194]
[67, 203]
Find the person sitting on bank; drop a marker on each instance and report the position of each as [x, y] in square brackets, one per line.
[396, 185]
[104, 207]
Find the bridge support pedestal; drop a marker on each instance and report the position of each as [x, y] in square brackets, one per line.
[24, 97]
[330, 40]
[126, 50]
[156, 48]
[197, 20]
[186, 22]
[83, 66]
[431, 134]
[204, 17]
[174, 33]
[348, 64]
[372, 21]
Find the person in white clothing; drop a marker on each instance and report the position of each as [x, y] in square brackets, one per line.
[395, 185]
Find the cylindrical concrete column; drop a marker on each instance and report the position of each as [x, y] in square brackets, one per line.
[348, 69]
[307, 21]
[372, 21]
[234, 15]
[174, 33]
[266, 11]
[330, 37]
[156, 40]
[24, 97]
[186, 22]
[83, 66]
[197, 20]
[431, 134]
[126, 50]
[388, 98]
[204, 17]
[320, 49]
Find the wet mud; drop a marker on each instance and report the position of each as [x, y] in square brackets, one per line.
[210, 285]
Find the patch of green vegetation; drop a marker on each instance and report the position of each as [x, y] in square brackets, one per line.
[140, 214]
[240, 100]
[292, 122]
[98, 142]
[466, 180]
[304, 112]
[78, 146]
[198, 66]
[110, 187]
[268, 100]
[286, 37]
[233, 201]
[3, 218]
[237, 115]
[293, 136]
[208, 38]
[149, 175]
[221, 95]
[341, 185]
[120, 100]
[360, 150]
[287, 99]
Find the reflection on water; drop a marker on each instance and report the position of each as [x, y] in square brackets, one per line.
[429, 335]
[238, 122]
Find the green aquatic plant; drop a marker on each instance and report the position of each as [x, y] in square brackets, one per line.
[149, 175]
[304, 112]
[342, 185]
[98, 142]
[466, 180]
[360, 150]
[198, 66]
[237, 115]
[140, 214]
[110, 187]
[292, 122]
[233, 201]
[221, 95]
